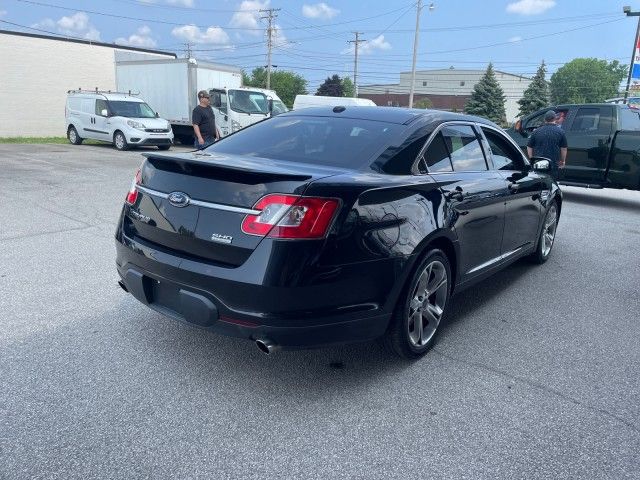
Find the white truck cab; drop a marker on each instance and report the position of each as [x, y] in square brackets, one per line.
[236, 108]
[119, 118]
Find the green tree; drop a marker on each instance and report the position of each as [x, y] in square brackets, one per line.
[286, 84]
[348, 88]
[536, 96]
[586, 80]
[487, 99]
[423, 103]
[332, 87]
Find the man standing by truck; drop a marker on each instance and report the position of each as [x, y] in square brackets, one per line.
[204, 122]
[549, 141]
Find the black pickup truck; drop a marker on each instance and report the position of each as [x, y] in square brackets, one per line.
[603, 139]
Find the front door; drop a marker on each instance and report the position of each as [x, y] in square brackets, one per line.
[101, 121]
[523, 209]
[589, 139]
[475, 196]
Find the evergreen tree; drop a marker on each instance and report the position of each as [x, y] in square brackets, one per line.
[536, 96]
[332, 87]
[487, 99]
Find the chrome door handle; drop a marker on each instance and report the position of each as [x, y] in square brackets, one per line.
[513, 187]
[456, 194]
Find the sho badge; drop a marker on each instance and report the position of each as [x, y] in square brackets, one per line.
[216, 237]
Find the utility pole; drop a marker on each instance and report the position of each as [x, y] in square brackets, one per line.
[415, 51]
[355, 67]
[270, 16]
[187, 49]
[629, 13]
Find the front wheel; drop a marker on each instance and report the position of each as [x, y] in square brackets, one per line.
[547, 235]
[120, 141]
[415, 323]
[72, 135]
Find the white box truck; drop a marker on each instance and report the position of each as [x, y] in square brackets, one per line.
[172, 86]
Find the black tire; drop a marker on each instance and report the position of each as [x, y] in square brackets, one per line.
[164, 147]
[186, 140]
[547, 235]
[404, 337]
[73, 137]
[120, 141]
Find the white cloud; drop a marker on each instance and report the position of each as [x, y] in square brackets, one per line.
[515, 39]
[193, 34]
[185, 3]
[248, 16]
[369, 47]
[319, 10]
[142, 38]
[530, 7]
[279, 38]
[76, 25]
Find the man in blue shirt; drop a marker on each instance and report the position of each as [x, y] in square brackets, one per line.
[549, 141]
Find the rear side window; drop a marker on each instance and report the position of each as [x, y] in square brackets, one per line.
[437, 156]
[330, 141]
[88, 105]
[464, 147]
[629, 119]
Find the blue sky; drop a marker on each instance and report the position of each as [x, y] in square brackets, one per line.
[312, 36]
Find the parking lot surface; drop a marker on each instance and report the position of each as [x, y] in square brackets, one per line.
[535, 375]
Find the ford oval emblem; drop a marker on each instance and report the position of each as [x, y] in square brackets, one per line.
[179, 199]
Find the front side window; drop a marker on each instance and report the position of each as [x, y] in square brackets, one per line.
[100, 105]
[123, 108]
[464, 147]
[629, 119]
[244, 101]
[505, 156]
[342, 142]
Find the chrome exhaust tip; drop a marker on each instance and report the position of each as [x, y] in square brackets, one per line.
[266, 346]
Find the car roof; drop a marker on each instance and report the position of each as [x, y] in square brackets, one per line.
[386, 114]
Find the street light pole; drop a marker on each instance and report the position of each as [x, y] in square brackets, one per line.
[629, 13]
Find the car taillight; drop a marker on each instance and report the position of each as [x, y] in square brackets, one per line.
[291, 216]
[132, 195]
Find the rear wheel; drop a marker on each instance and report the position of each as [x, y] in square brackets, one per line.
[120, 141]
[72, 135]
[547, 235]
[418, 316]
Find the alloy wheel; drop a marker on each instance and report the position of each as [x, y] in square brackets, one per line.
[120, 142]
[549, 230]
[427, 303]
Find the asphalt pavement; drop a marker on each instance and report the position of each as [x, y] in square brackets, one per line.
[535, 375]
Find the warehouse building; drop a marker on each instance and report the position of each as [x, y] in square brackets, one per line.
[37, 70]
[447, 89]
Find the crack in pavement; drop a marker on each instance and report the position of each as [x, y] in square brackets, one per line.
[544, 388]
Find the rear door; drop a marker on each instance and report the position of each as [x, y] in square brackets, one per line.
[589, 136]
[474, 195]
[523, 208]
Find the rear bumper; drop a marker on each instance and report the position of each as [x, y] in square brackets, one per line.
[207, 301]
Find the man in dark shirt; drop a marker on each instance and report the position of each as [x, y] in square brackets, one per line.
[204, 122]
[549, 141]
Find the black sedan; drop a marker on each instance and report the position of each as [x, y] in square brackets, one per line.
[324, 226]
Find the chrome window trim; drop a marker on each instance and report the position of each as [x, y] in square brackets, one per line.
[414, 167]
[200, 203]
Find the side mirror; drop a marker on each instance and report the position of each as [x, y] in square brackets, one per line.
[270, 106]
[104, 112]
[157, 115]
[541, 164]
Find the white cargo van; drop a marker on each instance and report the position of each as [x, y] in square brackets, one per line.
[304, 101]
[119, 118]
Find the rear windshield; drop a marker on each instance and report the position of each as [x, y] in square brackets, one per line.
[131, 109]
[330, 141]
